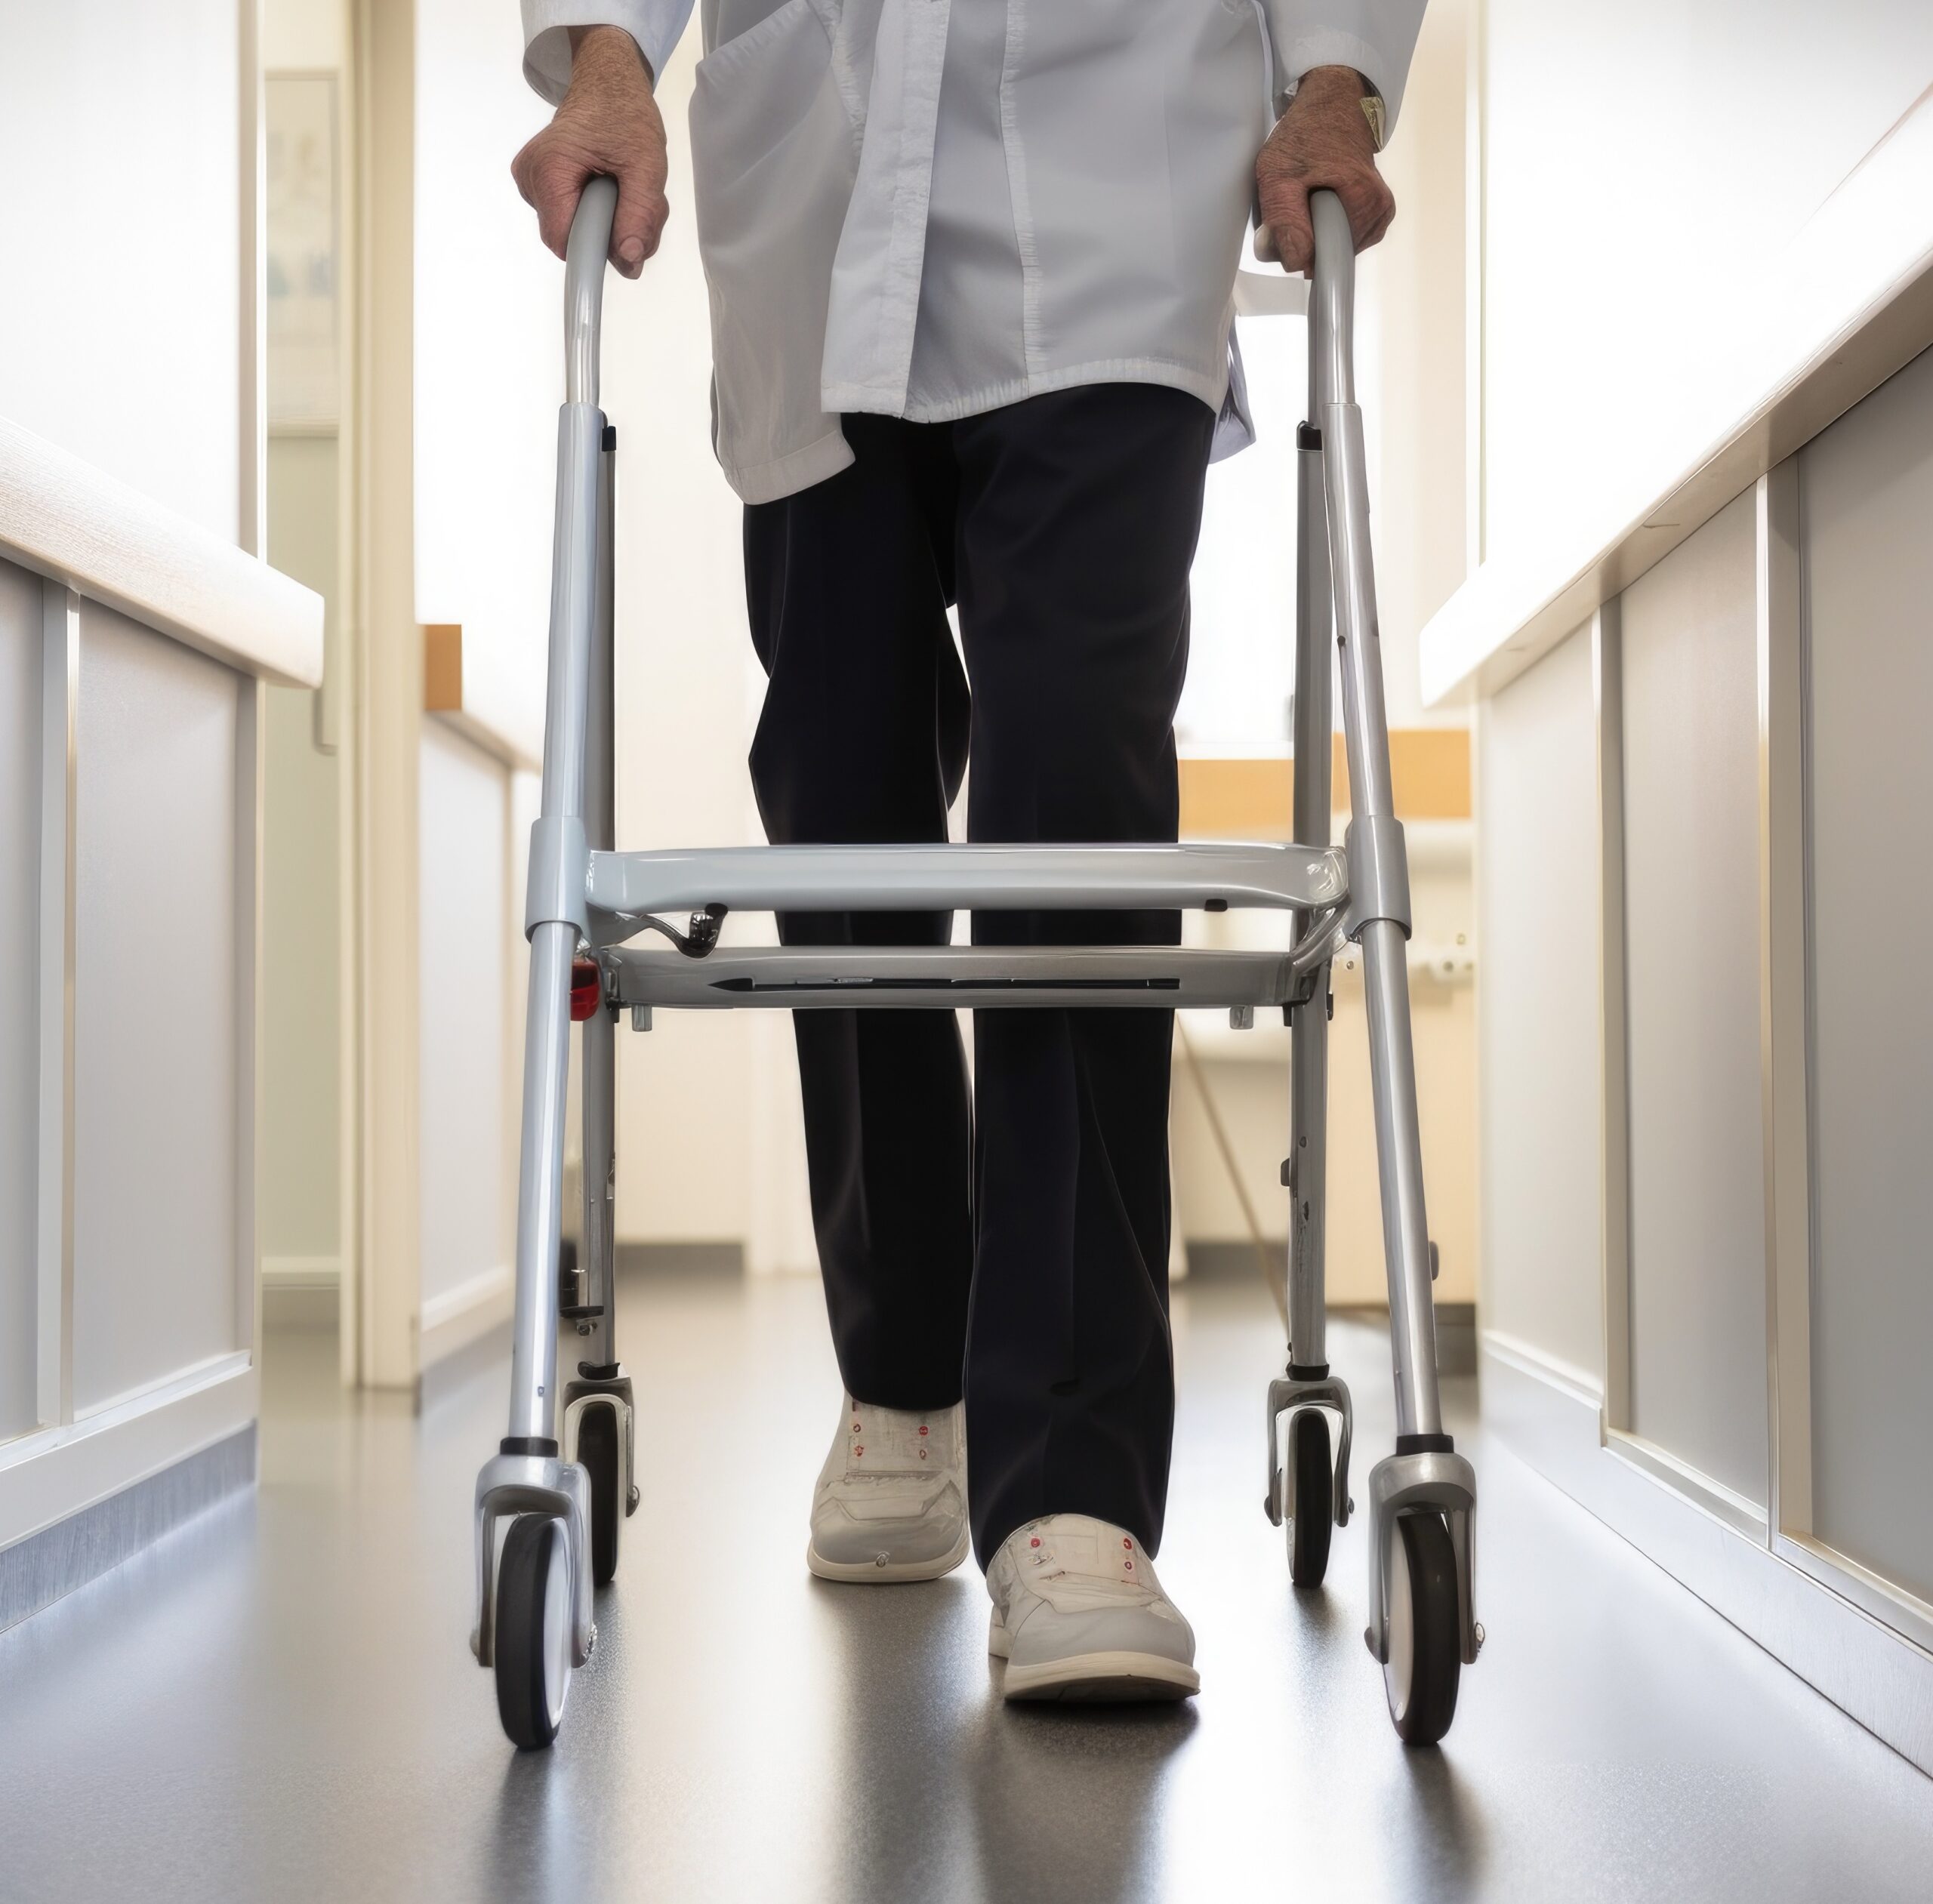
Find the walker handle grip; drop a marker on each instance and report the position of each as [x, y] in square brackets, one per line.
[584, 255]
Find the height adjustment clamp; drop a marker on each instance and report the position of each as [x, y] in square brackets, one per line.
[557, 892]
[1379, 864]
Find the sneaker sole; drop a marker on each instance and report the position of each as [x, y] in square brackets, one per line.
[870, 1574]
[1103, 1678]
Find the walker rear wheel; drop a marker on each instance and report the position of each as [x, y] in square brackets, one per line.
[1314, 1497]
[1426, 1648]
[533, 1635]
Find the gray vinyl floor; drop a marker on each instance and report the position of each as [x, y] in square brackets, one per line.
[278, 1703]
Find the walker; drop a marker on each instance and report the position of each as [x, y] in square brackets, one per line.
[551, 1502]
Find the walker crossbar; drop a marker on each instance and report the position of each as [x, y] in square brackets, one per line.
[560, 1515]
[926, 879]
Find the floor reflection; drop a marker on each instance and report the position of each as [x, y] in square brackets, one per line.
[1059, 1789]
[945, 1791]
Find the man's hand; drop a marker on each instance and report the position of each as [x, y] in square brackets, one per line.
[1323, 142]
[608, 123]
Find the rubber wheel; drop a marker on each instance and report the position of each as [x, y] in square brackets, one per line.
[533, 1639]
[1425, 1643]
[597, 1450]
[1314, 1516]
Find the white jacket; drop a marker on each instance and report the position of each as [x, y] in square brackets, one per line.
[929, 208]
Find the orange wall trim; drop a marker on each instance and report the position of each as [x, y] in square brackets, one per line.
[1251, 800]
[442, 667]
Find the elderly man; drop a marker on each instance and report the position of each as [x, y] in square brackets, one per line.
[971, 265]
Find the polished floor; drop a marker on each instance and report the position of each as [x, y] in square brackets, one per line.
[278, 1703]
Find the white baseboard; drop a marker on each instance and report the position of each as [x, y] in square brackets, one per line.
[453, 1318]
[1548, 1415]
[54, 1473]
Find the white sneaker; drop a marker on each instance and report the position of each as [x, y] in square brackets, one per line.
[891, 1502]
[1079, 1615]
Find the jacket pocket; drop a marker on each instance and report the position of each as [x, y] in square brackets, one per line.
[775, 150]
[754, 90]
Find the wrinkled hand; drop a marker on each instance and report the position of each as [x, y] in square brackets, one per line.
[1323, 142]
[608, 123]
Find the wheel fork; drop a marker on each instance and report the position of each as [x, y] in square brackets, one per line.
[1434, 1482]
[584, 1393]
[1287, 1394]
[513, 1484]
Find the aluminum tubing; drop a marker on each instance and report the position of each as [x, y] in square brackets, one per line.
[540, 1182]
[574, 602]
[1365, 719]
[1308, 1062]
[599, 1052]
[1399, 1155]
[598, 1045]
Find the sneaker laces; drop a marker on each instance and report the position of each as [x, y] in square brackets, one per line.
[891, 1441]
[1094, 1568]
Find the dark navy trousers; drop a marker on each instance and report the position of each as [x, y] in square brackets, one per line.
[1006, 1240]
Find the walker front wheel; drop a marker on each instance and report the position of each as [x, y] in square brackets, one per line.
[533, 1635]
[1314, 1515]
[1425, 1649]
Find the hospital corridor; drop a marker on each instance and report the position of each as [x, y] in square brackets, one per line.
[962, 951]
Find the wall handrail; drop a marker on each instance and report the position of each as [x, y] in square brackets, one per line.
[62, 518]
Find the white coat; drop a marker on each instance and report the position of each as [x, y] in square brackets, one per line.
[928, 208]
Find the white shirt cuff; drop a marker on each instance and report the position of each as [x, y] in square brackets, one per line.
[1377, 38]
[654, 24]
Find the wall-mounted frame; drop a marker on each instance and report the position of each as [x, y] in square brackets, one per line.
[304, 246]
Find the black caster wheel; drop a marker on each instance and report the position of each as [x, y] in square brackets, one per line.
[597, 1450]
[1314, 1516]
[1425, 1644]
[533, 1636]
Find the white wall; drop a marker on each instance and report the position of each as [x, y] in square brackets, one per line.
[467, 1204]
[1410, 331]
[489, 379]
[1647, 163]
[489, 355]
[301, 1187]
[305, 36]
[120, 231]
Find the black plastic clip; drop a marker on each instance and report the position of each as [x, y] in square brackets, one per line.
[700, 936]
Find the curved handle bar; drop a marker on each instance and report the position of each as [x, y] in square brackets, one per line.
[585, 253]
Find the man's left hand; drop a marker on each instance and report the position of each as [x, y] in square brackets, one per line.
[1322, 142]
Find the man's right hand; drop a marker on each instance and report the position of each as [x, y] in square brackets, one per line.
[608, 123]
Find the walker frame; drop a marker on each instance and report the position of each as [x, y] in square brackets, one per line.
[586, 901]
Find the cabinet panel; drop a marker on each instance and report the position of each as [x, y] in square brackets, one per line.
[1867, 489]
[20, 639]
[1540, 1069]
[1696, 1135]
[155, 1032]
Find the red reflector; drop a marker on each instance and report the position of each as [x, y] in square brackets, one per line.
[587, 989]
